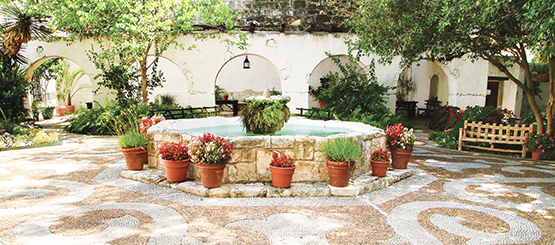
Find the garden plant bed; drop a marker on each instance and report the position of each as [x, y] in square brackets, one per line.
[360, 185]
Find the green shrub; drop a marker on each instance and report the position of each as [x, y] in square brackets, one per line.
[341, 150]
[107, 120]
[13, 91]
[354, 95]
[444, 140]
[132, 139]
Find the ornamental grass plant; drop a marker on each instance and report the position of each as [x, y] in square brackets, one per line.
[341, 150]
[132, 139]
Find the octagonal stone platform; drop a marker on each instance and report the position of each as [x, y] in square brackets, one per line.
[360, 185]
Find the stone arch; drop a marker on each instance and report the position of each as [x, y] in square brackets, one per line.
[238, 81]
[80, 98]
[177, 83]
[426, 73]
[324, 67]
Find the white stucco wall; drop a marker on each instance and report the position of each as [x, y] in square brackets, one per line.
[291, 60]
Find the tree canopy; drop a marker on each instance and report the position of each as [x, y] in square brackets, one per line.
[499, 31]
[130, 31]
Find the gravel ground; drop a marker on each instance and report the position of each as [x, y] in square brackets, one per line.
[73, 194]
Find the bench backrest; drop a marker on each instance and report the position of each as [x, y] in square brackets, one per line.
[494, 132]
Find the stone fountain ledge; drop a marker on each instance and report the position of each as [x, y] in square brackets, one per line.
[358, 186]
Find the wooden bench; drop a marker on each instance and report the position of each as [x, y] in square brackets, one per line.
[190, 112]
[315, 113]
[495, 135]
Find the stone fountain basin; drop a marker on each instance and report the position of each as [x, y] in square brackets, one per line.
[252, 154]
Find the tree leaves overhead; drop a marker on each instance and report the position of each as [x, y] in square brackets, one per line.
[499, 31]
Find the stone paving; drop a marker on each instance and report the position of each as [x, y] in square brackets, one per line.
[73, 194]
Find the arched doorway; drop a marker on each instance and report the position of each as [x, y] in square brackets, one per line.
[321, 70]
[49, 74]
[240, 81]
[176, 83]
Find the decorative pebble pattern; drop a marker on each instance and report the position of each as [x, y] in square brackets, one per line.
[452, 197]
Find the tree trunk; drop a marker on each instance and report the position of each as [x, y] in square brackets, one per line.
[551, 102]
[144, 79]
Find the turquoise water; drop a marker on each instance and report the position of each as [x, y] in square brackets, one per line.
[288, 129]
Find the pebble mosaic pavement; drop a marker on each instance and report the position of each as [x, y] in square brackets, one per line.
[73, 194]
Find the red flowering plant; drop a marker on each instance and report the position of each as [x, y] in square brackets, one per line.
[174, 151]
[399, 137]
[146, 123]
[380, 155]
[210, 149]
[282, 160]
[543, 142]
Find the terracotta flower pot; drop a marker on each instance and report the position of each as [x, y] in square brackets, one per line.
[225, 97]
[543, 78]
[379, 169]
[340, 173]
[176, 171]
[69, 108]
[60, 110]
[134, 157]
[281, 177]
[536, 154]
[211, 174]
[400, 157]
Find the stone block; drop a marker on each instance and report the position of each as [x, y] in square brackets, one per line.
[304, 149]
[241, 172]
[222, 191]
[310, 171]
[350, 190]
[281, 142]
[263, 159]
[247, 142]
[248, 190]
[318, 189]
[193, 188]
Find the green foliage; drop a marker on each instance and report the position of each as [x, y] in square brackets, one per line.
[498, 31]
[341, 150]
[13, 91]
[107, 120]
[128, 31]
[167, 99]
[265, 116]
[66, 81]
[132, 139]
[218, 91]
[354, 95]
[47, 112]
[444, 140]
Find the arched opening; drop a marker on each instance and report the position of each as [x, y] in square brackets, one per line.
[321, 71]
[176, 84]
[434, 83]
[58, 81]
[239, 81]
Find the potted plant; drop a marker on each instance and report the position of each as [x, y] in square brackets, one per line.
[282, 169]
[265, 115]
[225, 95]
[133, 147]
[66, 85]
[400, 141]
[380, 161]
[175, 157]
[211, 153]
[146, 123]
[538, 144]
[341, 154]
[47, 111]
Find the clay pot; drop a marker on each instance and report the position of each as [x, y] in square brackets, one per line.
[379, 169]
[70, 108]
[339, 172]
[60, 110]
[176, 171]
[225, 97]
[536, 154]
[400, 157]
[211, 174]
[542, 78]
[281, 177]
[134, 157]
